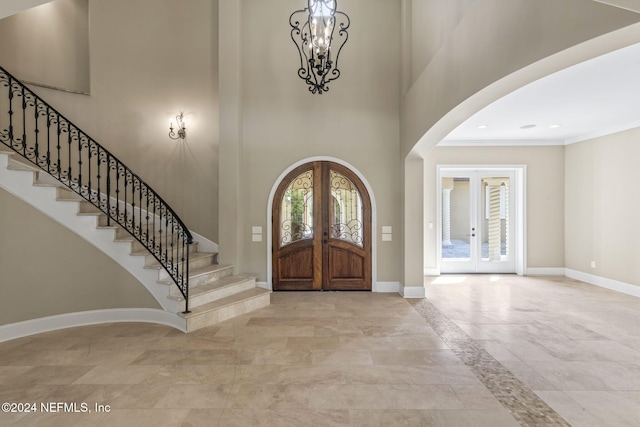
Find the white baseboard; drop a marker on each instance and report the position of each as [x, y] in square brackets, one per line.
[559, 271]
[386, 287]
[412, 291]
[264, 285]
[70, 320]
[603, 282]
[431, 271]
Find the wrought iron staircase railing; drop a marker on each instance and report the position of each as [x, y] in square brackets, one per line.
[48, 140]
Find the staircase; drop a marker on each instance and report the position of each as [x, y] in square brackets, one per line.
[215, 293]
[56, 159]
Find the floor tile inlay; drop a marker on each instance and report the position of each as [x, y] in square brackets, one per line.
[525, 406]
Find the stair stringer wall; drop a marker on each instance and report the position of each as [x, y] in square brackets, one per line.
[43, 198]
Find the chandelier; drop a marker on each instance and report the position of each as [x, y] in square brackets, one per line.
[313, 30]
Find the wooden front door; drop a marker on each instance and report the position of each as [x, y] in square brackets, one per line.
[321, 230]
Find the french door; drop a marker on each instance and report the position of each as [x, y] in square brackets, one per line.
[321, 230]
[478, 221]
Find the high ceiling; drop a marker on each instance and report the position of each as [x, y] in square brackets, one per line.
[597, 97]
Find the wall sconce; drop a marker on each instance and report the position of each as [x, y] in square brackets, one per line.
[182, 131]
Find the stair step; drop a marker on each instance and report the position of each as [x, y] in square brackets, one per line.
[86, 208]
[206, 275]
[203, 275]
[214, 291]
[196, 261]
[139, 250]
[16, 165]
[63, 194]
[227, 308]
[43, 179]
[123, 235]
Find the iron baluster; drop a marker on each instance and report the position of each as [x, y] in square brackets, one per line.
[157, 247]
[147, 216]
[37, 131]
[98, 161]
[118, 192]
[126, 215]
[133, 206]
[48, 141]
[89, 169]
[10, 111]
[166, 235]
[79, 161]
[140, 205]
[108, 190]
[59, 163]
[69, 142]
[174, 255]
[24, 123]
[184, 283]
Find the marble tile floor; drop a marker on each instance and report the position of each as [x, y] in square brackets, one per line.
[481, 350]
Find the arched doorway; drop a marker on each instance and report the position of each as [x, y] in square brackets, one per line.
[321, 222]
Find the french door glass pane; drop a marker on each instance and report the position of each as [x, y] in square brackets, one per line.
[456, 219]
[296, 210]
[346, 210]
[495, 230]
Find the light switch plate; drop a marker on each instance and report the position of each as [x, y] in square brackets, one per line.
[256, 237]
[386, 237]
[256, 229]
[387, 229]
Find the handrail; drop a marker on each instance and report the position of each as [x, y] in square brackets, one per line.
[47, 139]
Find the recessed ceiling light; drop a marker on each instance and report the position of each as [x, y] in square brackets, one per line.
[557, 125]
[527, 126]
[483, 126]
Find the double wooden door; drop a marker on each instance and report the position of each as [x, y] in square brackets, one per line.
[321, 230]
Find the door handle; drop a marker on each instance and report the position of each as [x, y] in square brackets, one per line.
[325, 241]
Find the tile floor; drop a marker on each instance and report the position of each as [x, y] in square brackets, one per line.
[481, 350]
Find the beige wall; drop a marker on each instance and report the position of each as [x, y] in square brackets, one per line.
[281, 123]
[544, 199]
[49, 45]
[150, 60]
[602, 207]
[432, 23]
[46, 270]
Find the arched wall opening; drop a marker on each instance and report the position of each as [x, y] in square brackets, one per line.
[414, 161]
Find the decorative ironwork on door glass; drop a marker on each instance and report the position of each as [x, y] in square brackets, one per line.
[296, 210]
[346, 208]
